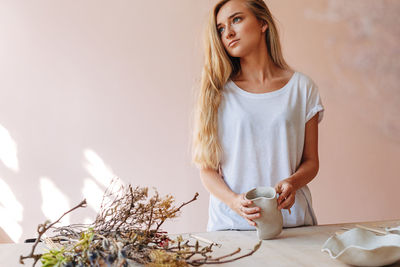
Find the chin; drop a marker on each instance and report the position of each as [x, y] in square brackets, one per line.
[236, 54]
[238, 51]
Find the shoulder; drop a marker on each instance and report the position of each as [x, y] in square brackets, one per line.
[228, 84]
[305, 80]
[229, 88]
[306, 85]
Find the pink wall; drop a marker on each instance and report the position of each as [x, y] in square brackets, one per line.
[94, 89]
[351, 50]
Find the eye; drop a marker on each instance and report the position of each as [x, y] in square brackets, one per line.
[235, 19]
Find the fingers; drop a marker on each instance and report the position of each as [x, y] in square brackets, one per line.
[253, 216]
[250, 216]
[245, 209]
[251, 210]
[250, 213]
[251, 222]
[278, 188]
[288, 202]
[282, 196]
[245, 202]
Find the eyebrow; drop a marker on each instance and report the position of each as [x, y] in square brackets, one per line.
[231, 16]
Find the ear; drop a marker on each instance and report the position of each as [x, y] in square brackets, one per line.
[264, 26]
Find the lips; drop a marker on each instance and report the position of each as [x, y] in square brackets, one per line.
[233, 42]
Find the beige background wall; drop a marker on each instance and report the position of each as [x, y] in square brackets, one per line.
[92, 89]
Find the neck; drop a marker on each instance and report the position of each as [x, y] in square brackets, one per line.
[257, 66]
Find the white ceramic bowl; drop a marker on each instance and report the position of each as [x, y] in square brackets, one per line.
[363, 248]
[393, 230]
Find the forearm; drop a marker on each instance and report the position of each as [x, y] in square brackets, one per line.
[216, 185]
[307, 170]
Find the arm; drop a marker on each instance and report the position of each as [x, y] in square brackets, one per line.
[215, 184]
[307, 170]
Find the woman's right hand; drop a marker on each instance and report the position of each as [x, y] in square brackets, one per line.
[241, 206]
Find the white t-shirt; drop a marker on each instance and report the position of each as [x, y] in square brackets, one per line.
[262, 138]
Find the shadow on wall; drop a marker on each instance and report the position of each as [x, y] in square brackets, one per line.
[54, 200]
[4, 238]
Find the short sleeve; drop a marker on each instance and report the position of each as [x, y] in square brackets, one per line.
[314, 103]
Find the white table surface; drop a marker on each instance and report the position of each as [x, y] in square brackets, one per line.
[300, 246]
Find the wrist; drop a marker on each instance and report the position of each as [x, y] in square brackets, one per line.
[232, 199]
[293, 181]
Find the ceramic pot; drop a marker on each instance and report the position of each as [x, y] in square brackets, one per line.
[269, 224]
[361, 247]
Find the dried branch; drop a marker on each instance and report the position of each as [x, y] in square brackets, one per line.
[217, 260]
[126, 229]
[179, 208]
[42, 228]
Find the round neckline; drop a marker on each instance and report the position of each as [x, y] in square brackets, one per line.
[241, 91]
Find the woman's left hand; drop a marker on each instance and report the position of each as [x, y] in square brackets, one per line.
[287, 194]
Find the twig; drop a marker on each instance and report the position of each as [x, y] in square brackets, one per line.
[228, 255]
[151, 216]
[132, 204]
[217, 260]
[178, 209]
[123, 231]
[42, 228]
[204, 240]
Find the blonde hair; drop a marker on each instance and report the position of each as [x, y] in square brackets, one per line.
[218, 68]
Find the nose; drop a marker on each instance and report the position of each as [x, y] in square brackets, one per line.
[229, 32]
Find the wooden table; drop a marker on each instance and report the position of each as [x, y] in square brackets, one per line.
[300, 246]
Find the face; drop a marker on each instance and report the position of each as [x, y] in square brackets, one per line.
[239, 29]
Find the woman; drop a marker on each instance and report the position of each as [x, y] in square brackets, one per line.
[256, 120]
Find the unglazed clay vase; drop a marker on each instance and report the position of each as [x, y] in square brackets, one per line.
[269, 224]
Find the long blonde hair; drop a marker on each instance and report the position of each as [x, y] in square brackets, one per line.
[218, 68]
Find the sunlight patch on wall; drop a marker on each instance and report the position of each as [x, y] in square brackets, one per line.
[8, 151]
[97, 168]
[93, 194]
[11, 212]
[54, 201]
